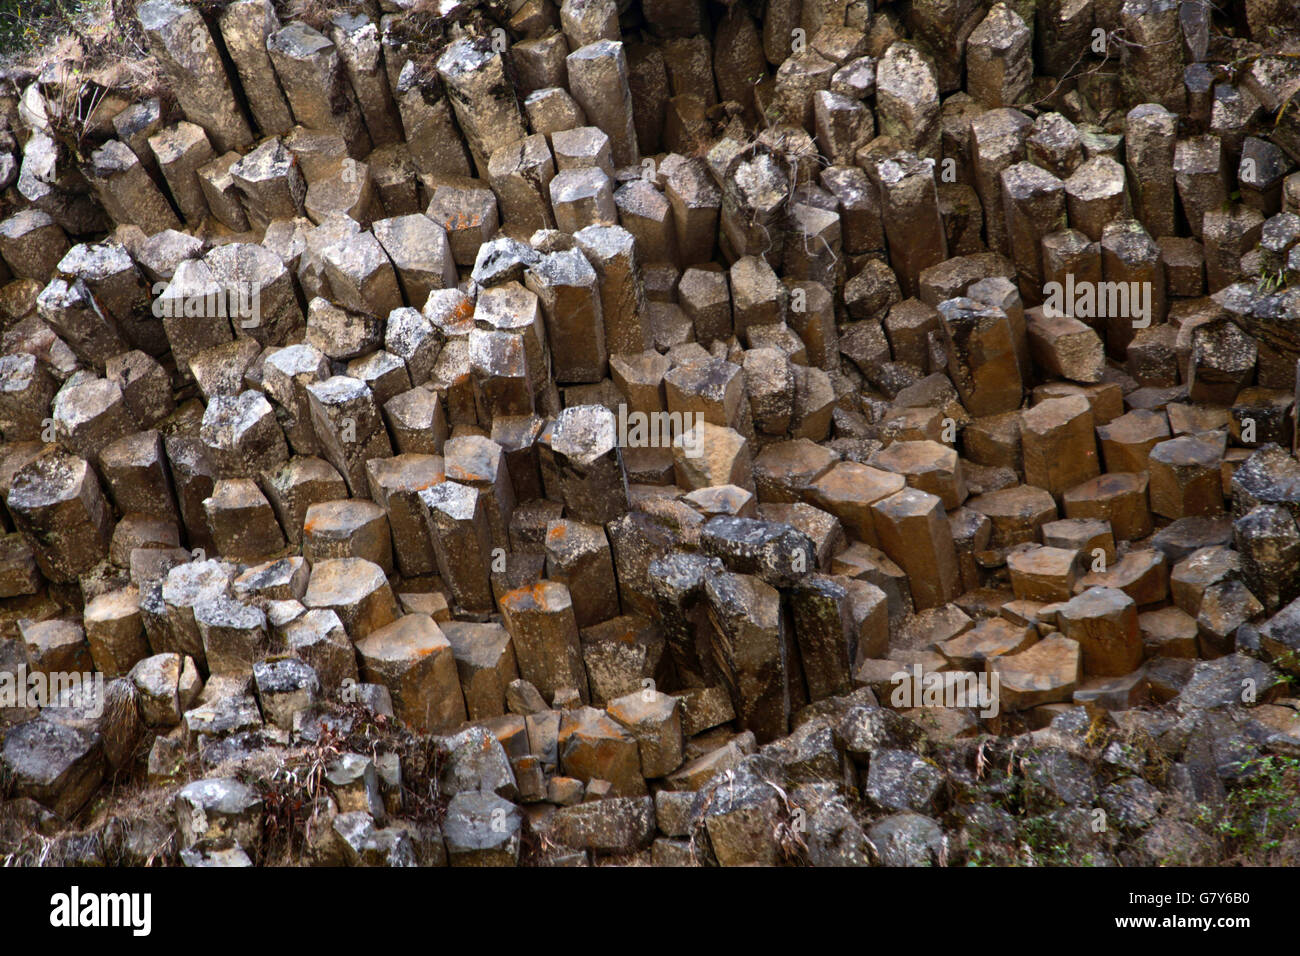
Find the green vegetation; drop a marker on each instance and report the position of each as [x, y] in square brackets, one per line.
[1259, 815]
[26, 25]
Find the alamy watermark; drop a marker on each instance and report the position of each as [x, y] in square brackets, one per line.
[232, 300]
[76, 909]
[927, 689]
[661, 430]
[34, 690]
[1098, 300]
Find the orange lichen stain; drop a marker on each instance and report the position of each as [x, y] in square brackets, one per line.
[558, 533]
[468, 474]
[516, 599]
[464, 310]
[530, 597]
[463, 220]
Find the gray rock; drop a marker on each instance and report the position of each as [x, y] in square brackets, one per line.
[364, 844]
[219, 807]
[909, 839]
[1229, 681]
[777, 553]
[476, 761]
[902, 780]
[59, 766]
[614, 825]
[482, 829]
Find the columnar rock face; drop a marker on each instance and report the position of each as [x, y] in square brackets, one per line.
[1104, 623]
[599, 81]
[913, 531]
[907, 98]
[910, 213]
[433, 141]
[246, 25]
[57, 504]
[749, 642]
[127, 191]
[588, 465]
[271, 183]
[357, 40]
[183, 43]
[997, 141]
[1150, 136]
[483, 99]
[568, 289]
[1059, 447]
[457, 526]
[1034, 205]
[701, 424]
[180, 151]
[981, 355]
[414, 660]
[313, 79]
[545, 633]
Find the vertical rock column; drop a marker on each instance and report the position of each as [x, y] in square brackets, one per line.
[57, 504]
[981, 356]
[997, 142]
[1033, 202]
[1129, 255]
[1096, 195]
[676, 583]
[357, 40]
[482, 97]
[127, 190]
[598, 80]
[1201, 175]
[915, 533]
[1150, 137]
[181, 150]
[432, 139]
[611, 250]
[999, 65]
[569, 291]
[348, 426]
[1060, 449]
[586, 451]
[179, 37]
[754, 194]
[544, 631]
[749, 648]
[1152, 54]
[521, 174]
[907, 100]
[696, 203]
[318, 89]
[909, 204]
[823, 622]
[245, 26]
[456, 518]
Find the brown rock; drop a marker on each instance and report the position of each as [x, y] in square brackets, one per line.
[1104, 622]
